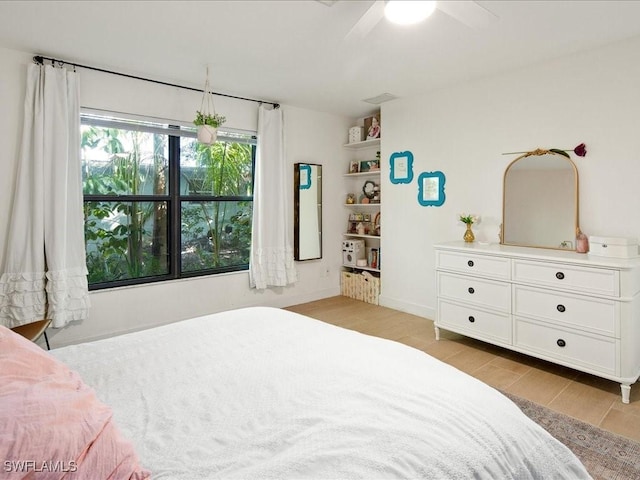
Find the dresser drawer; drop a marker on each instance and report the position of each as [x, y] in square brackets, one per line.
[487, 293]
[589, 351]
[474, 321]
[568, 277]
[481, 265]
[596, 315]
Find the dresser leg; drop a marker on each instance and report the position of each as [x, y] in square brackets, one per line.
[626, 392]
[437, 332]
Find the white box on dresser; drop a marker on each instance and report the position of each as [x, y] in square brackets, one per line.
[620, 247]
[577, 310]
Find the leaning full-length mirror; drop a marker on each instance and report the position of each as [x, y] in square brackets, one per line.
[307, 208]
[540, 207]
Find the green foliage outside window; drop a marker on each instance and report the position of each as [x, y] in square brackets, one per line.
[129, 202]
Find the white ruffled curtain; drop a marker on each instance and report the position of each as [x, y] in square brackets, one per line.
[45, 273]
[271, 261]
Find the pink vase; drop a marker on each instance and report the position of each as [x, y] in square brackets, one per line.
[582, 243]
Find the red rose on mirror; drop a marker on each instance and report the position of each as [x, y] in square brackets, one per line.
[580, 150]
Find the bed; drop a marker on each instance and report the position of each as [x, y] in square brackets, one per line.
[264, 393]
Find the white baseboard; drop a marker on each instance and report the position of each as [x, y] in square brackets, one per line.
[408, 307]
[289, 300]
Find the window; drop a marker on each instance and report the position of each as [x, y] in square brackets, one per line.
[158, 205]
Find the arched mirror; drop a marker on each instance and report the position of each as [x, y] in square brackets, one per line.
[307, 211]
[540, 201]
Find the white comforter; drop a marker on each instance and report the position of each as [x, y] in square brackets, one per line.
[263, 393]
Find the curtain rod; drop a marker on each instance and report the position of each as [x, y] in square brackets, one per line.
[40, 59]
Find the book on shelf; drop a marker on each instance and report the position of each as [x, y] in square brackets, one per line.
[374, 257]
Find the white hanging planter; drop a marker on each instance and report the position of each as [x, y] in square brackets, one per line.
[207, 134]
[207, 120]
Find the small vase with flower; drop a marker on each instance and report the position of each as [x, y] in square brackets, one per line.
[468, 220]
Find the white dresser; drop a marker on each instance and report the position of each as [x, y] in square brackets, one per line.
[573, 309]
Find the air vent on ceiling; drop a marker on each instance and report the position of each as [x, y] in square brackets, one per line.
[383, 97]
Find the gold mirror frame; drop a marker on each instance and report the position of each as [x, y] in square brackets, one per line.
[544, 215]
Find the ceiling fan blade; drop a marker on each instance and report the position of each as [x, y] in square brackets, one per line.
[367, 21]
[470, 13]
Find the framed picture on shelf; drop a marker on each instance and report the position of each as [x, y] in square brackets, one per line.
[354, 166]
[369, 165]
[372, 127]
[352, 227]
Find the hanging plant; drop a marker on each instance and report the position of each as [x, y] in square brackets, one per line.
[207, 120]
[214, 120]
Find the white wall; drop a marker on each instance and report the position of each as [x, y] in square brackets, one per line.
[592, 97]
[310, 137]
[463, 130]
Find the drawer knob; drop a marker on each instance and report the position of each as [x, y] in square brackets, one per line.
[559, 275]
[471, 290]
[560, 308]
[471, 318]
[470, 263]
[561, 342]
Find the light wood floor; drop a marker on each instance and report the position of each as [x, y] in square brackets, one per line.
[582, 396]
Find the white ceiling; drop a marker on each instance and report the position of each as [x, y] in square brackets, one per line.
[295, 52]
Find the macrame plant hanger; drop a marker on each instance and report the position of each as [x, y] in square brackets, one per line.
[207, 134]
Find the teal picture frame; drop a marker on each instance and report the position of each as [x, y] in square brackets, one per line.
[431, 189]
[305, 177]
[401, 167]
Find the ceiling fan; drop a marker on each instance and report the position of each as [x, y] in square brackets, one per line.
[470, 13]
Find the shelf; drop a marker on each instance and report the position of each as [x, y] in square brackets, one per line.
[370, 173]
[365, 144]
[360, 236]
[353, 205]
[362, 268]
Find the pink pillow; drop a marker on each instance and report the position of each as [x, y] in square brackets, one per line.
[52, 425]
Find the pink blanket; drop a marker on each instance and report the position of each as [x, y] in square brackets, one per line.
[52, 426]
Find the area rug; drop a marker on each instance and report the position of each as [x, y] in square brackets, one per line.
[605, 455]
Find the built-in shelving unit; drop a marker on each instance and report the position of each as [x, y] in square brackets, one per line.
[362, 246]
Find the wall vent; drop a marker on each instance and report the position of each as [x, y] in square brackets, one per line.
[383, 97]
